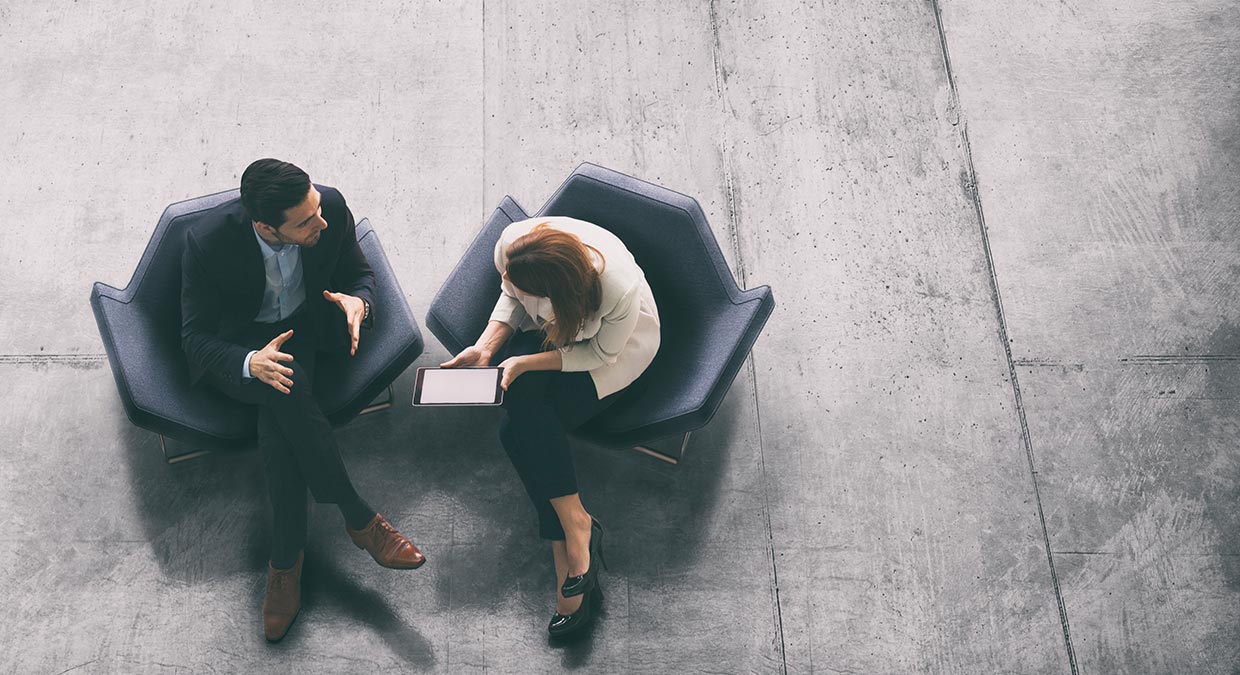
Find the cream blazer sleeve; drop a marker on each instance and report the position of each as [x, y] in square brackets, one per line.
[508, 308]
[616, 327]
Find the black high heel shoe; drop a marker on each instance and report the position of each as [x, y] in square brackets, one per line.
[584, 582]
[567, 626]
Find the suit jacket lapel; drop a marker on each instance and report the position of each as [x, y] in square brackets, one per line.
[253, 276]
[310, 268]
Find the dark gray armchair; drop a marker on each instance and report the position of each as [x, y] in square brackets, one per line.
[708, 323]
[140, 326]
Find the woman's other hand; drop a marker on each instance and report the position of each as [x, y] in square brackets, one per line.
[512, 367]
[470, 356]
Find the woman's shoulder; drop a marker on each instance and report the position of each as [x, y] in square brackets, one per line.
[518, 228]
[598, 237]
[587, 231]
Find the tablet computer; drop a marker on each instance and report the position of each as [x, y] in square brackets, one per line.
[458, 386]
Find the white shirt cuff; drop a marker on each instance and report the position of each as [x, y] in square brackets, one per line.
[245, 367]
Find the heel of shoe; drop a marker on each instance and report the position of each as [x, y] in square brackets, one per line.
[602, 558]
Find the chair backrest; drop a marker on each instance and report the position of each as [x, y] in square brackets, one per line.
[700, 311]
[156, 282]
[667, 233]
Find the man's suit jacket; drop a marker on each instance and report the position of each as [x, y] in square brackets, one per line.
[223, 279]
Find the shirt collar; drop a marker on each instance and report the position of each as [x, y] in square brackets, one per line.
[267, 250]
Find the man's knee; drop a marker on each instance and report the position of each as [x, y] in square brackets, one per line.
[299, 394]
[301, 377]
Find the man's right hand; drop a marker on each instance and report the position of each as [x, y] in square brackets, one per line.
[267, 364]
[470, 356]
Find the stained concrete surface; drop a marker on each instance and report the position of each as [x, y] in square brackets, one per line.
[990, 427]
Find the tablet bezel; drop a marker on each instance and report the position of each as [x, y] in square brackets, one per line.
[499, 391]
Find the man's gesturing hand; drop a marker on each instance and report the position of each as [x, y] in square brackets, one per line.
[267, 364]
[354, 309]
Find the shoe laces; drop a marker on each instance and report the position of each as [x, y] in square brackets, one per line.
[281, 579]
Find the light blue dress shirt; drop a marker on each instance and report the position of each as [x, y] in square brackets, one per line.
[284, 291]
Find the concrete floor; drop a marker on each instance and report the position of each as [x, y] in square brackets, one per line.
[990, 428]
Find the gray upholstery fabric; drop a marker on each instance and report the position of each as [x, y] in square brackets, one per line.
[140, 326]
[709, 324]
[460, 309]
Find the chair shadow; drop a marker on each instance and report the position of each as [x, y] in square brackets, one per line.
[206, 518]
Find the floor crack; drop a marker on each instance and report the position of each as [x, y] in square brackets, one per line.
[766, 508]
[976, 198]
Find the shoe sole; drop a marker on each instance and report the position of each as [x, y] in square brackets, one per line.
[391, 567]
[286, 629]
[403, 567]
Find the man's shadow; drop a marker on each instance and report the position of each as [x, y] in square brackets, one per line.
[441, 476]
[208, 519]
[325, 585]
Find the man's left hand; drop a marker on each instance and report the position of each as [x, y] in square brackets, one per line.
[354, 309]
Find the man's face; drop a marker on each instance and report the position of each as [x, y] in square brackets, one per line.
[303, 224]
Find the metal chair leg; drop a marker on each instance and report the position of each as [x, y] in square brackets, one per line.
[381, 405]
[163, 447]
[670, 450]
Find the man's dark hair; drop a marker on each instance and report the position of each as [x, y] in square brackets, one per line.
[269, 187]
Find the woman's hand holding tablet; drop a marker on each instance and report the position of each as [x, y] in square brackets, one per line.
[458, 386]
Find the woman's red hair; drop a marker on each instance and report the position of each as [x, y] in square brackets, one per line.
[554, 264]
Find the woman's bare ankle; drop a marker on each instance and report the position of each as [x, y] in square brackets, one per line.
[577, 545]
[565, 605]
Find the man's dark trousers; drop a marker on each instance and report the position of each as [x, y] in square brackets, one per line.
[297, 442]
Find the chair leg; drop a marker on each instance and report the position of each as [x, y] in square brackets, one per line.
[380, 405]
[670, 450]
[173, 459]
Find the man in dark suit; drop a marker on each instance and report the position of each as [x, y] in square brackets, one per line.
[268, 281]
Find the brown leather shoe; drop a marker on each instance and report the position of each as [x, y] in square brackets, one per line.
[283, 599]
[388, 547]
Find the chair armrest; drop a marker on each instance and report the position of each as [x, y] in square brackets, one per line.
[386, 349]
[684, 387]
[459, 312]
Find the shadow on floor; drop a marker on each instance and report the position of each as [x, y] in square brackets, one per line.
[326, 584]
[1223, 384]
[442, 477]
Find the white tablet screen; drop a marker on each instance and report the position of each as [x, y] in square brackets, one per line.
[459, 385]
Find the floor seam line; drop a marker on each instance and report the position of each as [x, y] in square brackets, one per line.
[997, 298]
[734, 237]
[483, 198]
[766, 503]
[45, 357]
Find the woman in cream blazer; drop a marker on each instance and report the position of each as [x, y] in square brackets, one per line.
[557, 374]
